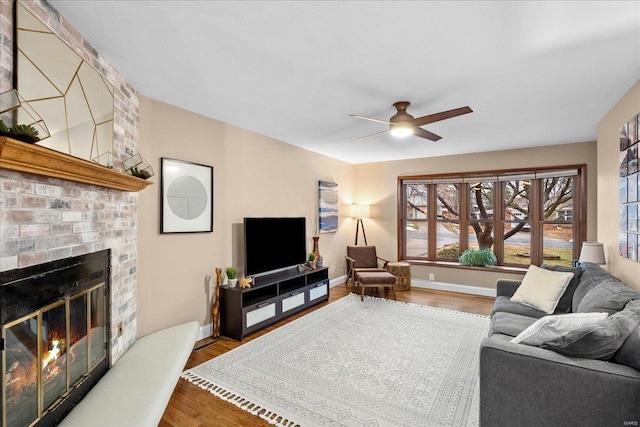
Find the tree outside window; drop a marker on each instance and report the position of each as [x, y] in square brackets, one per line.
[524, 217]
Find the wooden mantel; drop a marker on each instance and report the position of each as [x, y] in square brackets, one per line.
[23, 157]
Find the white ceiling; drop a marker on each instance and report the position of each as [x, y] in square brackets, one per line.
[535, 73]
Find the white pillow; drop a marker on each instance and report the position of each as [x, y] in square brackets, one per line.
[548, 328]
[542, 289]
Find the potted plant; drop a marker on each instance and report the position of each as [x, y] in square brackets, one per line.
[312, 260]
[232, 276]
[24, 133]
[478, 257]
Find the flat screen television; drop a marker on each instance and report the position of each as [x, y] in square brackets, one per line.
[273, 244]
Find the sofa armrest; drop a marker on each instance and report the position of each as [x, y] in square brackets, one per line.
[506, 288]
[530, 386]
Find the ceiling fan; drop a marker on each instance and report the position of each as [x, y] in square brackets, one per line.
[404, 124]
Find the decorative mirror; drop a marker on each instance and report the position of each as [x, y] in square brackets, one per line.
[73, 99]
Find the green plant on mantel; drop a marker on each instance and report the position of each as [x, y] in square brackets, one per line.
[478, 258]
[24, 133]
[140, 173]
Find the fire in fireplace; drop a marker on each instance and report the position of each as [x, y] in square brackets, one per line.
[55, 336]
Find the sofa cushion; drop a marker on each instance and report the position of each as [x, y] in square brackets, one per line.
[629, 353]
[504, 304]
[610, 296]
[601, 340]
[509, 324]
[564, 305]
[592, 276]
[542, 288]
[551, 327]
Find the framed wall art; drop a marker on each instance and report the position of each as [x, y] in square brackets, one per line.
[629, 189]
[187, 197]
[328, 206]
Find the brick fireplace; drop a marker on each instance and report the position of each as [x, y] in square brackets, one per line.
[43, 219]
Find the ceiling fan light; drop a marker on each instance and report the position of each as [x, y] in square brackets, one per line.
[401, 130]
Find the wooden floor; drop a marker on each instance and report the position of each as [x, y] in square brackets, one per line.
[192, 406]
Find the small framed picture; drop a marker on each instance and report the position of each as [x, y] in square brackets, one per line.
[187, 197]
[328, 206]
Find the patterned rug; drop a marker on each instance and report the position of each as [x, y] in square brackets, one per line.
[352, 363]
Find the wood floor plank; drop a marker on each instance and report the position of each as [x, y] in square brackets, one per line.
[191, 406]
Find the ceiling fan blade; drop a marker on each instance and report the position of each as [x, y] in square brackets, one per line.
[369, 118]
[426, 134]
[370, 136]
[432, 118]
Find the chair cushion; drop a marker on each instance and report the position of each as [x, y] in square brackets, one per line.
[505, 305]
[370, 269]
[629, 353]
[365, 256]
[592, 276]
[509, 324]
[610, 296]
[375, 277]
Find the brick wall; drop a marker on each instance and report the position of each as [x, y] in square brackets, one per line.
[43, 219]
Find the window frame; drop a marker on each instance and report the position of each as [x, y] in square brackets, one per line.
[498, 177]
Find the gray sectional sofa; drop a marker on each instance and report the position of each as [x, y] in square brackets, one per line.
[590, 379]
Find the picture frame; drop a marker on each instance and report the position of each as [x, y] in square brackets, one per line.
[327, 207]
[186, 202]
[629, 189]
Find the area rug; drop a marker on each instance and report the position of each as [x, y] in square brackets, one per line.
[353, 363]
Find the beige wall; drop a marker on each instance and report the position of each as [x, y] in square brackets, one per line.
[377, 185]
[258, 176]
[253, 176]
[608, 173]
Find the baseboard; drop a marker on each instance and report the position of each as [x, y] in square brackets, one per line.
[337, 281]
[204, 331]
[453, 287]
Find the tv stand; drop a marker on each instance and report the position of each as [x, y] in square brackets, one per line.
[271, 298]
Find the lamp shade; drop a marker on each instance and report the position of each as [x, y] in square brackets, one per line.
[359, 211]
[592, 252]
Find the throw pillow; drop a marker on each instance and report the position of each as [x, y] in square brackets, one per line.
[602, 340]
[629, 353]
[592, 276]
[551, 327]
[610, 296]
[564, 304]
[542, 288]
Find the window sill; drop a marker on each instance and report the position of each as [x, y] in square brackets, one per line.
[446, 264]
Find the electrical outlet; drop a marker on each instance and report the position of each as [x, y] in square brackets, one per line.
[432, 277]
[120, 329]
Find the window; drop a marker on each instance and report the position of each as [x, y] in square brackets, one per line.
[524, 217]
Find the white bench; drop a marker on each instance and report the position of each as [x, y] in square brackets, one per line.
[136, 390]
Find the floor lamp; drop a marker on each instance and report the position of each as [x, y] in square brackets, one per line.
[359, 212]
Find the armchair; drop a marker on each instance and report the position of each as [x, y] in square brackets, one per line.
[362, 259]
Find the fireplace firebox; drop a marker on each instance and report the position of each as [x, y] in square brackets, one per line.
[55, 336]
